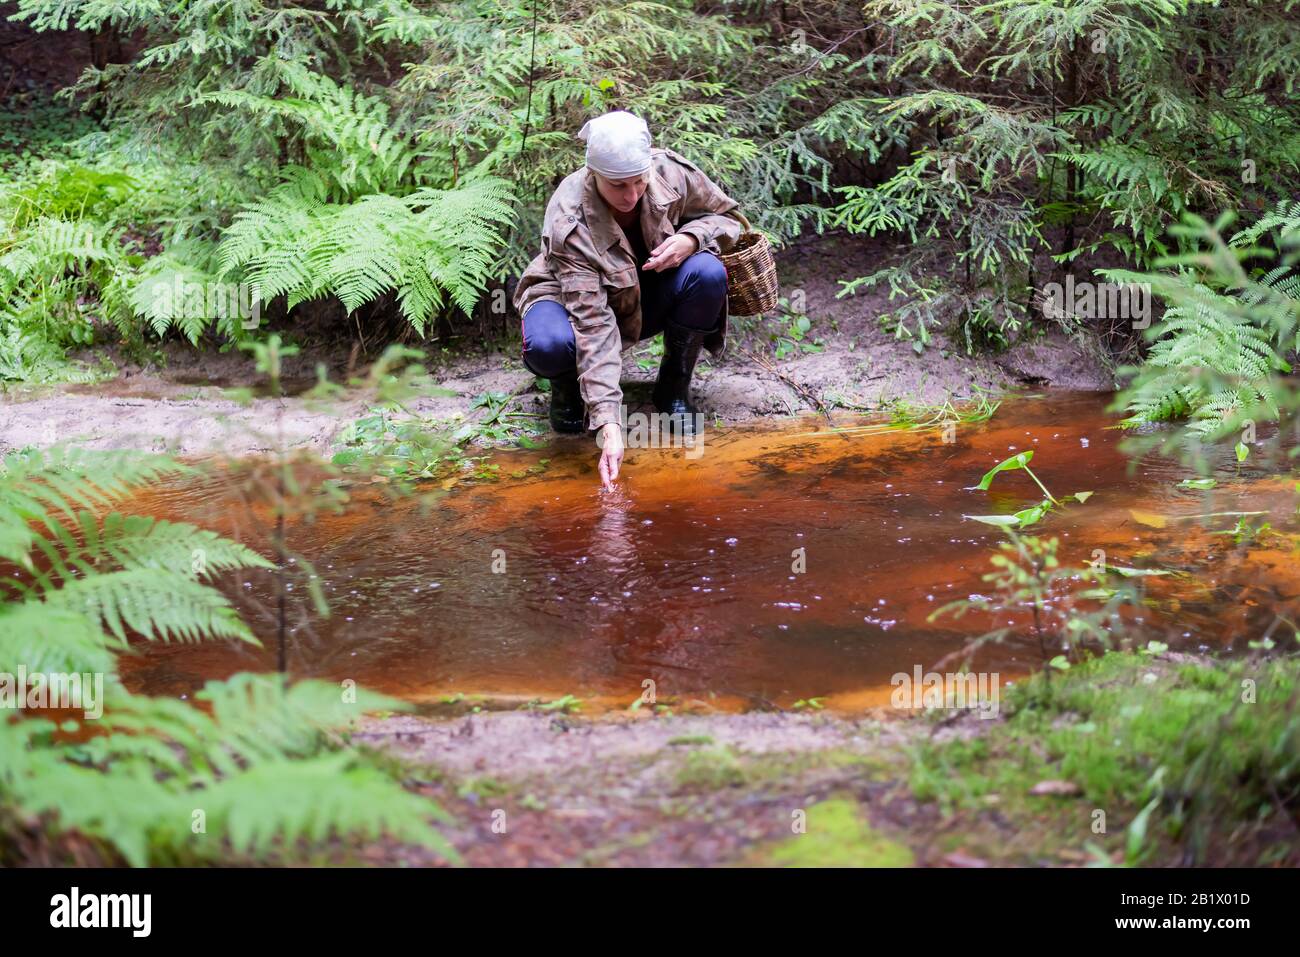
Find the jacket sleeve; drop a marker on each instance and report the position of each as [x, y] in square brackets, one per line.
[704, 212]
[596, 336]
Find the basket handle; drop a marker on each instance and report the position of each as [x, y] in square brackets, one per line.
[743, 219]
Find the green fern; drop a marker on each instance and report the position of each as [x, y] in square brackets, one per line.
[1220, 354]
[263, 769]
[429, 246]
[1215, 362]
[315, 799]
[348, 138]
[1283, 221]
[178, 288]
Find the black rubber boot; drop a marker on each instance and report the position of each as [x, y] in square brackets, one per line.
[567, 408]
[672, 392]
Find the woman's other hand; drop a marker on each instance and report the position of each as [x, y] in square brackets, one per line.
[673, 251]
[611, 453]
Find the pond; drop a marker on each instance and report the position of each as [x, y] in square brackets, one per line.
[773, 566]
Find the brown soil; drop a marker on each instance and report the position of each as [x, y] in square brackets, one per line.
[530, 789]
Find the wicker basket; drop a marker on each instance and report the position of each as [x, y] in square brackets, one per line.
[751, 273]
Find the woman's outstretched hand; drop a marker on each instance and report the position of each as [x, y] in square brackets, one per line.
[673, 251]
[611, 453]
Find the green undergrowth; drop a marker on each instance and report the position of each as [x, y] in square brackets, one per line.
[390, 442]
[1159, 761]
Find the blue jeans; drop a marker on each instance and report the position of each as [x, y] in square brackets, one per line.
[689, 295]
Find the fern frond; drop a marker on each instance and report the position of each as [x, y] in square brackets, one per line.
[423, 246]
[49, 640]
[260, 718]
[37, 484]
[161, 606]
[275, 804]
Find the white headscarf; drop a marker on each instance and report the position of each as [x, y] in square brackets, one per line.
[618, 144]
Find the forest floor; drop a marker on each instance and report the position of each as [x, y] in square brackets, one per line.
[883, 788]
[186, 401]
[526, 789]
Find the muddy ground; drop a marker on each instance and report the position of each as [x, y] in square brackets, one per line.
[183, 401]
[678, 786]
[756, 789]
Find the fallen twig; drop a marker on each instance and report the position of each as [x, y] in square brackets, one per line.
[814, 400]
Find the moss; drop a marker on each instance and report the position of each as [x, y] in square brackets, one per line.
[690, 739]
[474, 788]
[710, 770]
[837, 835]
[780, 766]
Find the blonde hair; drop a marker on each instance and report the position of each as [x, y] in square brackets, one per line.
[642, 178]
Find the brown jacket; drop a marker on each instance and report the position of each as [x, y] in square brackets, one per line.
[587, 265]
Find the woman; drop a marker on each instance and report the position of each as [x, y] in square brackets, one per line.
[630, 247]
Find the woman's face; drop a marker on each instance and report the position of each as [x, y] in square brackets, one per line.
[621, 194]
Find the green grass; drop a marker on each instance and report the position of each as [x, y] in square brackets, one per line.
[1132, 733]
[911, 414]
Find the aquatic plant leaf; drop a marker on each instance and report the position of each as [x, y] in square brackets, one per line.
[1137, 832]
[1029, 516]
[1148, 518]
[1083, 496]
[1017, 461]
[1137, 572]
[1202, 485]
[999, 520]
[1098, 594]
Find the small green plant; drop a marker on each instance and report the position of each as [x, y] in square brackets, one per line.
[649, 356]
[789, 332]
[392, 441]
[1065, 610]
[405, 447]
[1028, 516]
[909, 414]
[498, 424]
[1245, 531]
[1190, 768]
[565, 704]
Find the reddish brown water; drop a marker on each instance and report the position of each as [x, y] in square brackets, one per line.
[684, 575]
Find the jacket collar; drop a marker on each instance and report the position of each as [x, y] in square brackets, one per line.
[655, 227]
